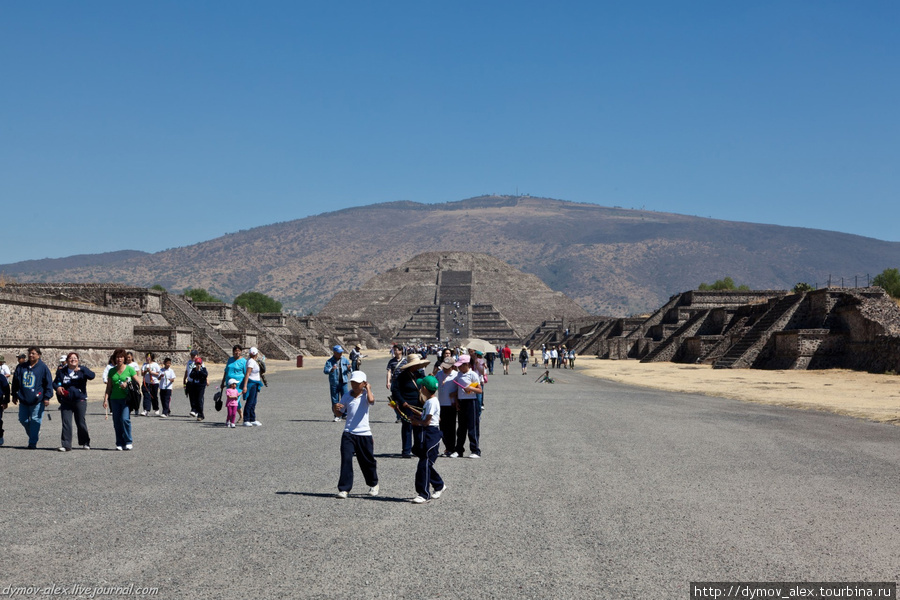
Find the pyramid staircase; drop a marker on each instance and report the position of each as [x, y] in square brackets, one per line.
[206, 338]
[744, 352]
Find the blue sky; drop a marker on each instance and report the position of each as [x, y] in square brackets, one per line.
[127, 125]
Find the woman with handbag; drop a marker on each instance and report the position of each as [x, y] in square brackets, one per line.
[71, 391]
[116, 398]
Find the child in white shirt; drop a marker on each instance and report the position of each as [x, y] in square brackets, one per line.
[427, 441]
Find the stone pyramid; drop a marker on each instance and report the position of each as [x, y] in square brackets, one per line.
[453, 295]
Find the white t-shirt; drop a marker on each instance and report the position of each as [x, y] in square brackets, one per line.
[147, 370]
[106, 372]
[433, 408]
[447, 386]
[465, 380]
[357, 414]
[4, 370]
[166, 378]
[253, 370]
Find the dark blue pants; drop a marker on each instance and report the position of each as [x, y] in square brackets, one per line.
[364, 447]
[406, 438]
[165, 398]
[469, 426]
[66, 412]
[151, 396]
[196, 393]
[426, 446]
[250, 399]
[448, 428]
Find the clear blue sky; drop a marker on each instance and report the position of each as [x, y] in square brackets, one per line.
[149, 125]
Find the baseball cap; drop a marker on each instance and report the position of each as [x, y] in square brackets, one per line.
[464, 359]
[358, 376]
[338, 348]
[198, 360]
[430, 383]
[232, 380]
[448, 363]
[253, 351]
[194, 353]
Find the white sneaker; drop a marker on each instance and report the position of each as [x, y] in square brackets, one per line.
[454, 455]
[256, 423]
[128, 446]
[419, 500]
[437, 493]
[248, 424]
[85, 447]
[337, 419]
[144, 413]
[118, 447]
[373, 491]
[62, 449]
[164, 416]
[474, 456]
[193, 414]
[157, 413]
[342, 495]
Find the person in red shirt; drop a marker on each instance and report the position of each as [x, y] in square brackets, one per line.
[506, 354]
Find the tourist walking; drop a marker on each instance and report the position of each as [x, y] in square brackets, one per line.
[196, 387]
[116, 398]
[506, 356]
[166, 382]
[32, 389]
[338, 370]
[468, 386]
[523, 360]
[405, 390]
[4, 403]
[427, 434]
[251, 385]
[446, 378]
[357, 436]
[71, 391]
[150, 388]
[232, 393]
[355, 355]
[235, 368]
[572, 359]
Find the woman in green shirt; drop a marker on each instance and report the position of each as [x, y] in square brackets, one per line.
[116, 398]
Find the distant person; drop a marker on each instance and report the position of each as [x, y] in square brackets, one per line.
[166, 382]
[355, 354]
[396, 357]
[196, 385]
[506, 356]
[150, 388]
[4, 369]
[523, 360]
[357, 437]
[4, 403]
[572, 359]
[338, 370]
[251, 385]
[32, 389]
[71, 389]
[116, 398]
[235, 368]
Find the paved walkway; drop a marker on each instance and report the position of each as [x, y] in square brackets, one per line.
[586, 489]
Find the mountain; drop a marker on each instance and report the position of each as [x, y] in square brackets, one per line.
[611, 261]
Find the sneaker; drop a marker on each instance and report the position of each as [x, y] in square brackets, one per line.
[128, 446]
[454, 455]
[144, 413]
[85, 447]
[193, 414]
[373, 491]
[248, 424]
[419, 500]
[157, 413]
[474, 456]
[337, 419]
[437, 493]
[164, 416]
[342, 495]
[199, 418]
[119, 448]
[64, 449]
[256, 423]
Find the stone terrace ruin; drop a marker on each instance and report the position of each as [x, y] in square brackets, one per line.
[770, 329]
[453, 295]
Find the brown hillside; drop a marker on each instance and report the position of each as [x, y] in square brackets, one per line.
[609, 260]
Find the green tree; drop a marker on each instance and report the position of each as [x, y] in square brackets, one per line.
[889, 279]
[722, 284]
[200, 295]
[158, 288]
[257, 302]
[802, 287]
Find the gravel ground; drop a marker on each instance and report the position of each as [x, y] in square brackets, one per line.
[586, 489]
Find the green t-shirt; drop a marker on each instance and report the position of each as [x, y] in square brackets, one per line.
[118, 392]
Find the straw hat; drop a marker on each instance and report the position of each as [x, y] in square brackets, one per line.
[415, 360]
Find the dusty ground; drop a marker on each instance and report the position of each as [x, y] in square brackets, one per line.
[852, 393]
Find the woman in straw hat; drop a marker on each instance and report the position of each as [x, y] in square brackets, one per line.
[404, 389]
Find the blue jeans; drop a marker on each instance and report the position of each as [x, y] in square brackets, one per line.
[250, 400]
[30, 416]
[121, 420]
[338, 391]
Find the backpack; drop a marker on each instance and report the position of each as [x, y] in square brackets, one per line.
[262, 367]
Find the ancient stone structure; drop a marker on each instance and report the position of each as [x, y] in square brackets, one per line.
[452, 295]
[769, 329]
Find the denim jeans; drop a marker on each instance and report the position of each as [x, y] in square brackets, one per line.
[121, 420]
[30, 416]
[250, 400]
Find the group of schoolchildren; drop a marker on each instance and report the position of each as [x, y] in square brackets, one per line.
[445, 405]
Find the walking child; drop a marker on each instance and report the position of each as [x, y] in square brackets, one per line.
[232, 393]
[357, 436]
[427, 439]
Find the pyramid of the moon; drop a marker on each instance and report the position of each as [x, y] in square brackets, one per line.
[454, 295]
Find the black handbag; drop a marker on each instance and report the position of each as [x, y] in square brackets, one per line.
[217, 398]
[134, 395]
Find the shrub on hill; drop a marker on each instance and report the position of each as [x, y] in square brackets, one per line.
[257, 302]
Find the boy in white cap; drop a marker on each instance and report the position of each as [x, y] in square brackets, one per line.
[232, 393]
[357, 436]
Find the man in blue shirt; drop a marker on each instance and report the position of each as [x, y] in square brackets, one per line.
[338, 370]
[32, 389]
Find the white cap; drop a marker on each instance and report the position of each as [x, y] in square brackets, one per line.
[253, 350]
[358, 376]
[234, 381]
